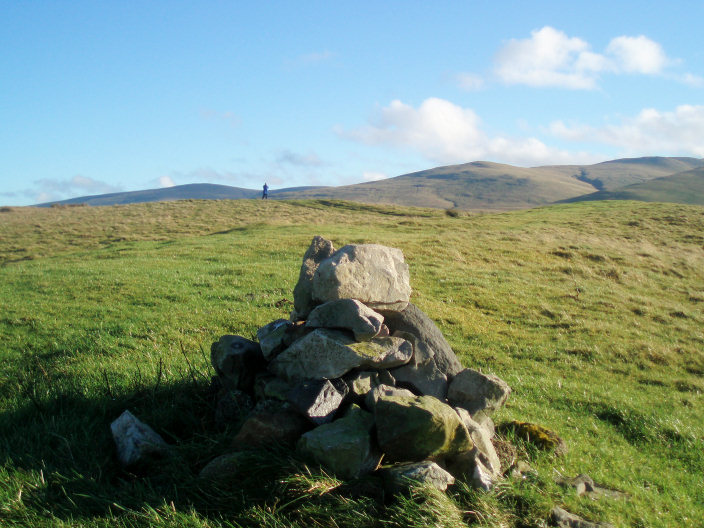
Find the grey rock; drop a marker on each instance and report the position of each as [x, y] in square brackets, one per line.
[135, 441]
[223, 469]
[399, 478]
[269, 387]
[474, 391]
[485, 421]
[413, 428]
[348, 314]
[318, 400]
[373, 274]
[434, 363]
[237, 361]
[482, 442]
[384, 390]
[361, 383]
[564, 519]
[344, 446]
[319, 250]
[272, 337]
[270, 425]
[585, 485]
[331, 354]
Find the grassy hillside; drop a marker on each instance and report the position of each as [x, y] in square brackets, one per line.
[685, 187]
[593, 312]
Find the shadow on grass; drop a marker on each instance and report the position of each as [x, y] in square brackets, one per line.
[61, 450]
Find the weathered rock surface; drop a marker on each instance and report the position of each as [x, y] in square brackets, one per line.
[384, 390]
[361, 383]
[135, 441]
[331, 354]
[318, 400]
[237, 361]
[319, 250]
[482, 442]
[269, 387]
[344, 446]
[272, 337]
[418, 427]
[277, 425]
[373, 274]
[564, 519]
[585, 485]
[402, 476]
[477, 392]
[348, 314]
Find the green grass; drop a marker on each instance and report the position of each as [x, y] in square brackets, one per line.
[593, 312]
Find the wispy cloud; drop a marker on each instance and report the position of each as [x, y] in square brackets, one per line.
[311, 59]
[447, 133]
[550, 58]
[215, 115]
[166, 181]
[669, 133]
[288, 157]
[470, 82]
[46, 190]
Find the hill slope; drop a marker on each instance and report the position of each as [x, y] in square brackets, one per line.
[471, 186]
[685, 187]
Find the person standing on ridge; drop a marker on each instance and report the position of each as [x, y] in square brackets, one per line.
[265, 193]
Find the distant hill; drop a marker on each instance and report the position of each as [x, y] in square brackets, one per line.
[479, 185]
[192, 191]
[684, 187]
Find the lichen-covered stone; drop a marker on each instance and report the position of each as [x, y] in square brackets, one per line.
[362, 382]
[538, 435]
[272, 337]
[344, 446]
[477, 392]
[348, 314]
[373, 274]
[237, 361]
[384, 390]
[303, 303]
[415, 428]
[328, 354]
[275, 425]
[269, 387]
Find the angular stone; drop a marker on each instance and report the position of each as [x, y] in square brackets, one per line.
[477, 392]
[222, 469]
[347, 314]
[384, 390]
[237, 361]
[482, 442]
[269, 387]
[584, 485]
[318, 400]
[344, 446]
[414, 428]
[277, 425]
[399, 478]
[135, 441]
[361, 383]
[319, 250]
[272, 337]
[564, 519]
[373, 274]
[331, 354]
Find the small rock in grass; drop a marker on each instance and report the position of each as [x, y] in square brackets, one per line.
[564, 519]
[399, 478]
[136, 442]
[538, 435]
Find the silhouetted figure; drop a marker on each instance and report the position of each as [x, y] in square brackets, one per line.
[265, 192]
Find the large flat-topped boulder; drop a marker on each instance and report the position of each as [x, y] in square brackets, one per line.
[373, 274]
[328, 354]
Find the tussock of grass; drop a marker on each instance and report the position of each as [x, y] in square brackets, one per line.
[592, 312]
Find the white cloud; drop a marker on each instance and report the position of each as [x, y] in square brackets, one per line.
[667, 133]
[470, 81]
[49, 189]
[446, 133]
[301, 160]
[551, 58]
[166, 181]
[637, 54]
[692, 80]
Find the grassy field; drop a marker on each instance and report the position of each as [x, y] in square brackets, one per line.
[592, 312]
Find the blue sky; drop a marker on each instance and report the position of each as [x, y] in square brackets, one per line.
[108, 96]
